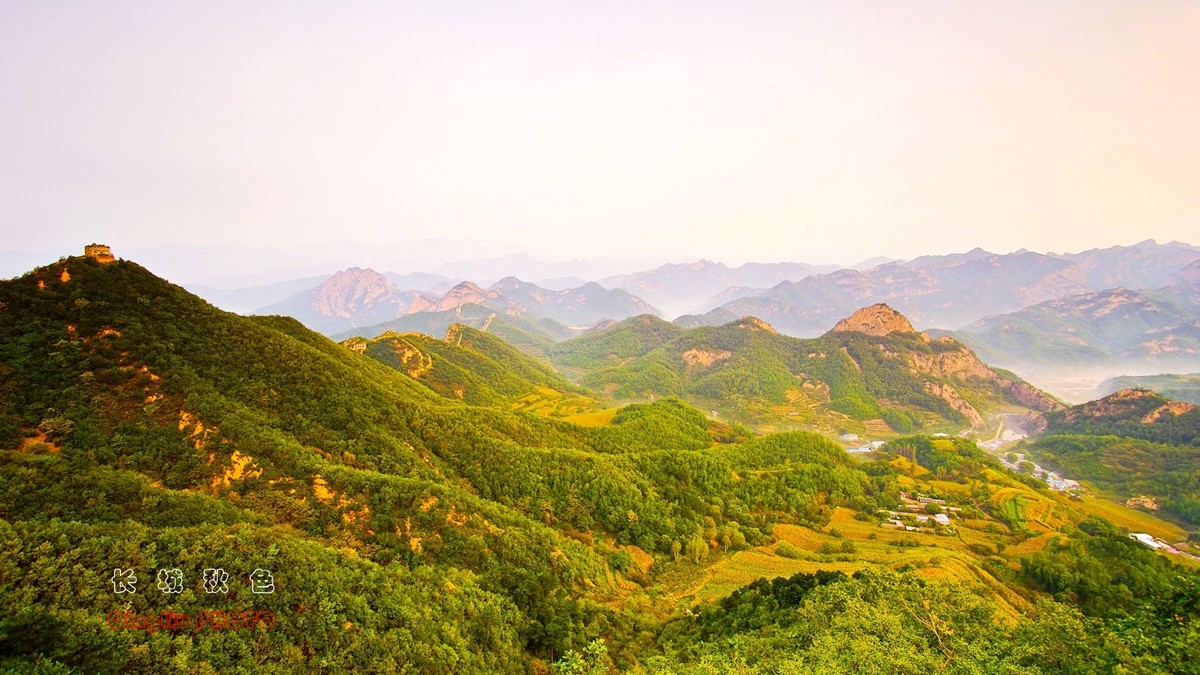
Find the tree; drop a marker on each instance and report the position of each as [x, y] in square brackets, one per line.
[698, 549]
[593, 661]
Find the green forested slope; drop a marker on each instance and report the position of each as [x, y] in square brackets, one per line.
[131, 406]
[746, 370]
[615, 345]
[531, 335]
[1132, 413]
[474, 367]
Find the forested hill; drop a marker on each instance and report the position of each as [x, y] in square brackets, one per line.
[896, 380]
[477, 368]
[142, 427]
[531, 335]
[1132, 444]
[614, 345]
[1133, 413]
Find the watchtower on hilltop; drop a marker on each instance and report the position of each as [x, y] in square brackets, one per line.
[99, 252]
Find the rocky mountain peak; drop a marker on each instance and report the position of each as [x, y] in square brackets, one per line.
[351, 290]
[878, 319]
[508, 283]
[1129, 394]
[466, 293]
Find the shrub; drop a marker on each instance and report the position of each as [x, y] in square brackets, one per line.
[786, 549]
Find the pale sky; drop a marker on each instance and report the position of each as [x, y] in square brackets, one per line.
[818, 132]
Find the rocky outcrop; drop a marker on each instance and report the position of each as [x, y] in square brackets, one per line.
[962, 364]
[704, 357]
[1030, 396]
[1174, 408]
[1113, 404]
[1143, 502]
[754, 323]
[878, 320]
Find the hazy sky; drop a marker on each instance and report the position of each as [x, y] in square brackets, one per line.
[823, 132]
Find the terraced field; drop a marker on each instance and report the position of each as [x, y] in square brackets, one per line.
[597, 418]
[550, 403]
[1131, 519]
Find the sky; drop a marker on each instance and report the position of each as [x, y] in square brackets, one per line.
[656, 131]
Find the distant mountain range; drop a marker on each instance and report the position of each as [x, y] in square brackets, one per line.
[1018, 309]
[356, 298]
[350, 298]
[247, 300]
[954, 290]
[533, 336]
[680, 288]
[1110, 326]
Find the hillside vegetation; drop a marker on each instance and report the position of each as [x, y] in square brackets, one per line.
[420, 517]
[477, 368]
[1133, 443]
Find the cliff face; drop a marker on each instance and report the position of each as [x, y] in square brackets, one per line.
[962, 364]
[951, 396]
[878, 319]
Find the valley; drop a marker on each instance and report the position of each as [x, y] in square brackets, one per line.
[554, 338]
[1065, 322]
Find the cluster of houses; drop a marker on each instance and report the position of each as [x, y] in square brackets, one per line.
[912, 506]
[858, 445]
[1057, 482]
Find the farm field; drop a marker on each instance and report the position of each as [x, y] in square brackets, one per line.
[1131, 519]
[550, 403]
[958, 556]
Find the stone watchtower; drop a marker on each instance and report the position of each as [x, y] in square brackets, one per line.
[100, 252]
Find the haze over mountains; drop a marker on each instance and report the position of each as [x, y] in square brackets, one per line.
[356, 298]
[1024, 310]
[1107, 326]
